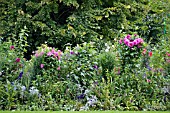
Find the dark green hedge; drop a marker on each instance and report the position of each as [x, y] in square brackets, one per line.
[58, 22]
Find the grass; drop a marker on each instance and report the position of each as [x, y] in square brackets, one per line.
[85, 111]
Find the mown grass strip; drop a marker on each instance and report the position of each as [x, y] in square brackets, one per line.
[84, 111]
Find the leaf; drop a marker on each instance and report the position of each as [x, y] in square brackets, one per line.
[74, 34]
[9, 61]
[107, 15]
[127, 6]
[70, 27]
[98, 17]
[63, 32]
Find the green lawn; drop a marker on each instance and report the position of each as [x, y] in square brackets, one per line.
[85, 111]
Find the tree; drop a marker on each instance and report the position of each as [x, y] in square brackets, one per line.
[58, 22]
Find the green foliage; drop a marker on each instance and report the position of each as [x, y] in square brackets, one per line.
[42, 19]
[12, 61]
[76, 65]
[59, 22]
[107, 62]
[80, 78]
[83, 66]
[130, 51]
[128, 92]
[80, 68]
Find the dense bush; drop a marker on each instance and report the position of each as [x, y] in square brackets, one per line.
[12, 62]
[130, 48]
[59, 22]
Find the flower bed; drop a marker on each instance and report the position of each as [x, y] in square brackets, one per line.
[127, 75]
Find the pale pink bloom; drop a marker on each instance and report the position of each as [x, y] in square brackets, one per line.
[141, 40]
[59, 57]
[58, 68]
[144, 51]
[135, 35]
[168, 60]
[120, 41]
[52, 51]
[168, 54]
[36, 55]
[55, 54]
[59, 52]
[148, 80]
[41, 65]
[49, 53]
[41, 53]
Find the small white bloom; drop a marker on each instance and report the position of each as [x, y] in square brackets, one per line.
[107, 50]
[84, 43]
[92, 43]
[67, 49]
[34, 91]
[23, 88]
[86, 91]
[91, 101]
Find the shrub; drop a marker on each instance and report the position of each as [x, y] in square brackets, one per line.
[130, 48]
[12, 66]
[129, 92]
[61, 25]
[12, 62]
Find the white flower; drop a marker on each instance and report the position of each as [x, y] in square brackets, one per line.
[86, 91]
[107, 50]
[34, 91]
[23, 88]
[92, 43]
[91, 101]
[84, 108]
[84, 43]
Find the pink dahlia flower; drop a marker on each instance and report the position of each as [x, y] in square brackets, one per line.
[130, 44]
